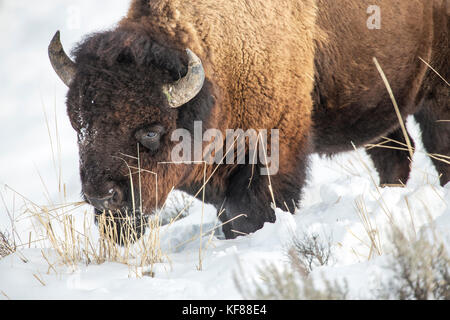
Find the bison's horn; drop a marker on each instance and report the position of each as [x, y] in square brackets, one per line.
[185, 89]
[61, 63]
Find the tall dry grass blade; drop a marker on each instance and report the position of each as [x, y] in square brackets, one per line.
[210, 230]
[371, 229]
[39, 279]
[139, 178]
[268, 176]
[11, 218]
[411, 217]
[383, 204]
[58, 149]
[5, 295]
[397, 110]
[434, 70]
[201, 220]
[439, 157]
[49, 136]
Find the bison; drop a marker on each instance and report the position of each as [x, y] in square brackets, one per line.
[303, 67]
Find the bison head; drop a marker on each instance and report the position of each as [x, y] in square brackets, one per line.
[124, 91]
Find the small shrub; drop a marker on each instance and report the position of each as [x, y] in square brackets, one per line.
[310, 252]
[421, 270]
[292, 282]
[6, 248]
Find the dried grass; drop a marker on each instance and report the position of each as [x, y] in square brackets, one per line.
[290, 282]
[6, 246]
[420, 269]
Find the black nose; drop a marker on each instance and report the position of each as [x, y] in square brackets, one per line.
[111, 201]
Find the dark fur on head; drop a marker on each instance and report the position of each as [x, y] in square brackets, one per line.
[123, 46]
[116, 92]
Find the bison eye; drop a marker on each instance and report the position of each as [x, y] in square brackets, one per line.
[152, 135]
[150, 138]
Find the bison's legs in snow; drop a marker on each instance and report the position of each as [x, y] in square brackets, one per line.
[393, 165]
[249, 195]
[433, 119]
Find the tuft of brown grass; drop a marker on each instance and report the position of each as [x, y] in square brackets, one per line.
[61, 232]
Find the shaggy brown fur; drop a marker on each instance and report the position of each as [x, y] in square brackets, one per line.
[353, 105]
[301, 66]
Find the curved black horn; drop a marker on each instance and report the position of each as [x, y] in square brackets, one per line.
[61, 63]
[189, 86]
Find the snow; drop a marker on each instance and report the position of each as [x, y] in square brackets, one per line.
[329, 208]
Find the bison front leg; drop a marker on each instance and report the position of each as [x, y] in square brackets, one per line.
[249, 197]
[393, 165]
[433, 118]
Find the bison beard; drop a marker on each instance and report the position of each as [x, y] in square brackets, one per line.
[303, 67]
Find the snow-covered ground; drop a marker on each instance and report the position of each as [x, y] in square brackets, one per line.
[335, 190]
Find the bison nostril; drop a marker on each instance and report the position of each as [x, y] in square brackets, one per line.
[99, 203]
[111, 201]
[116, 196]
